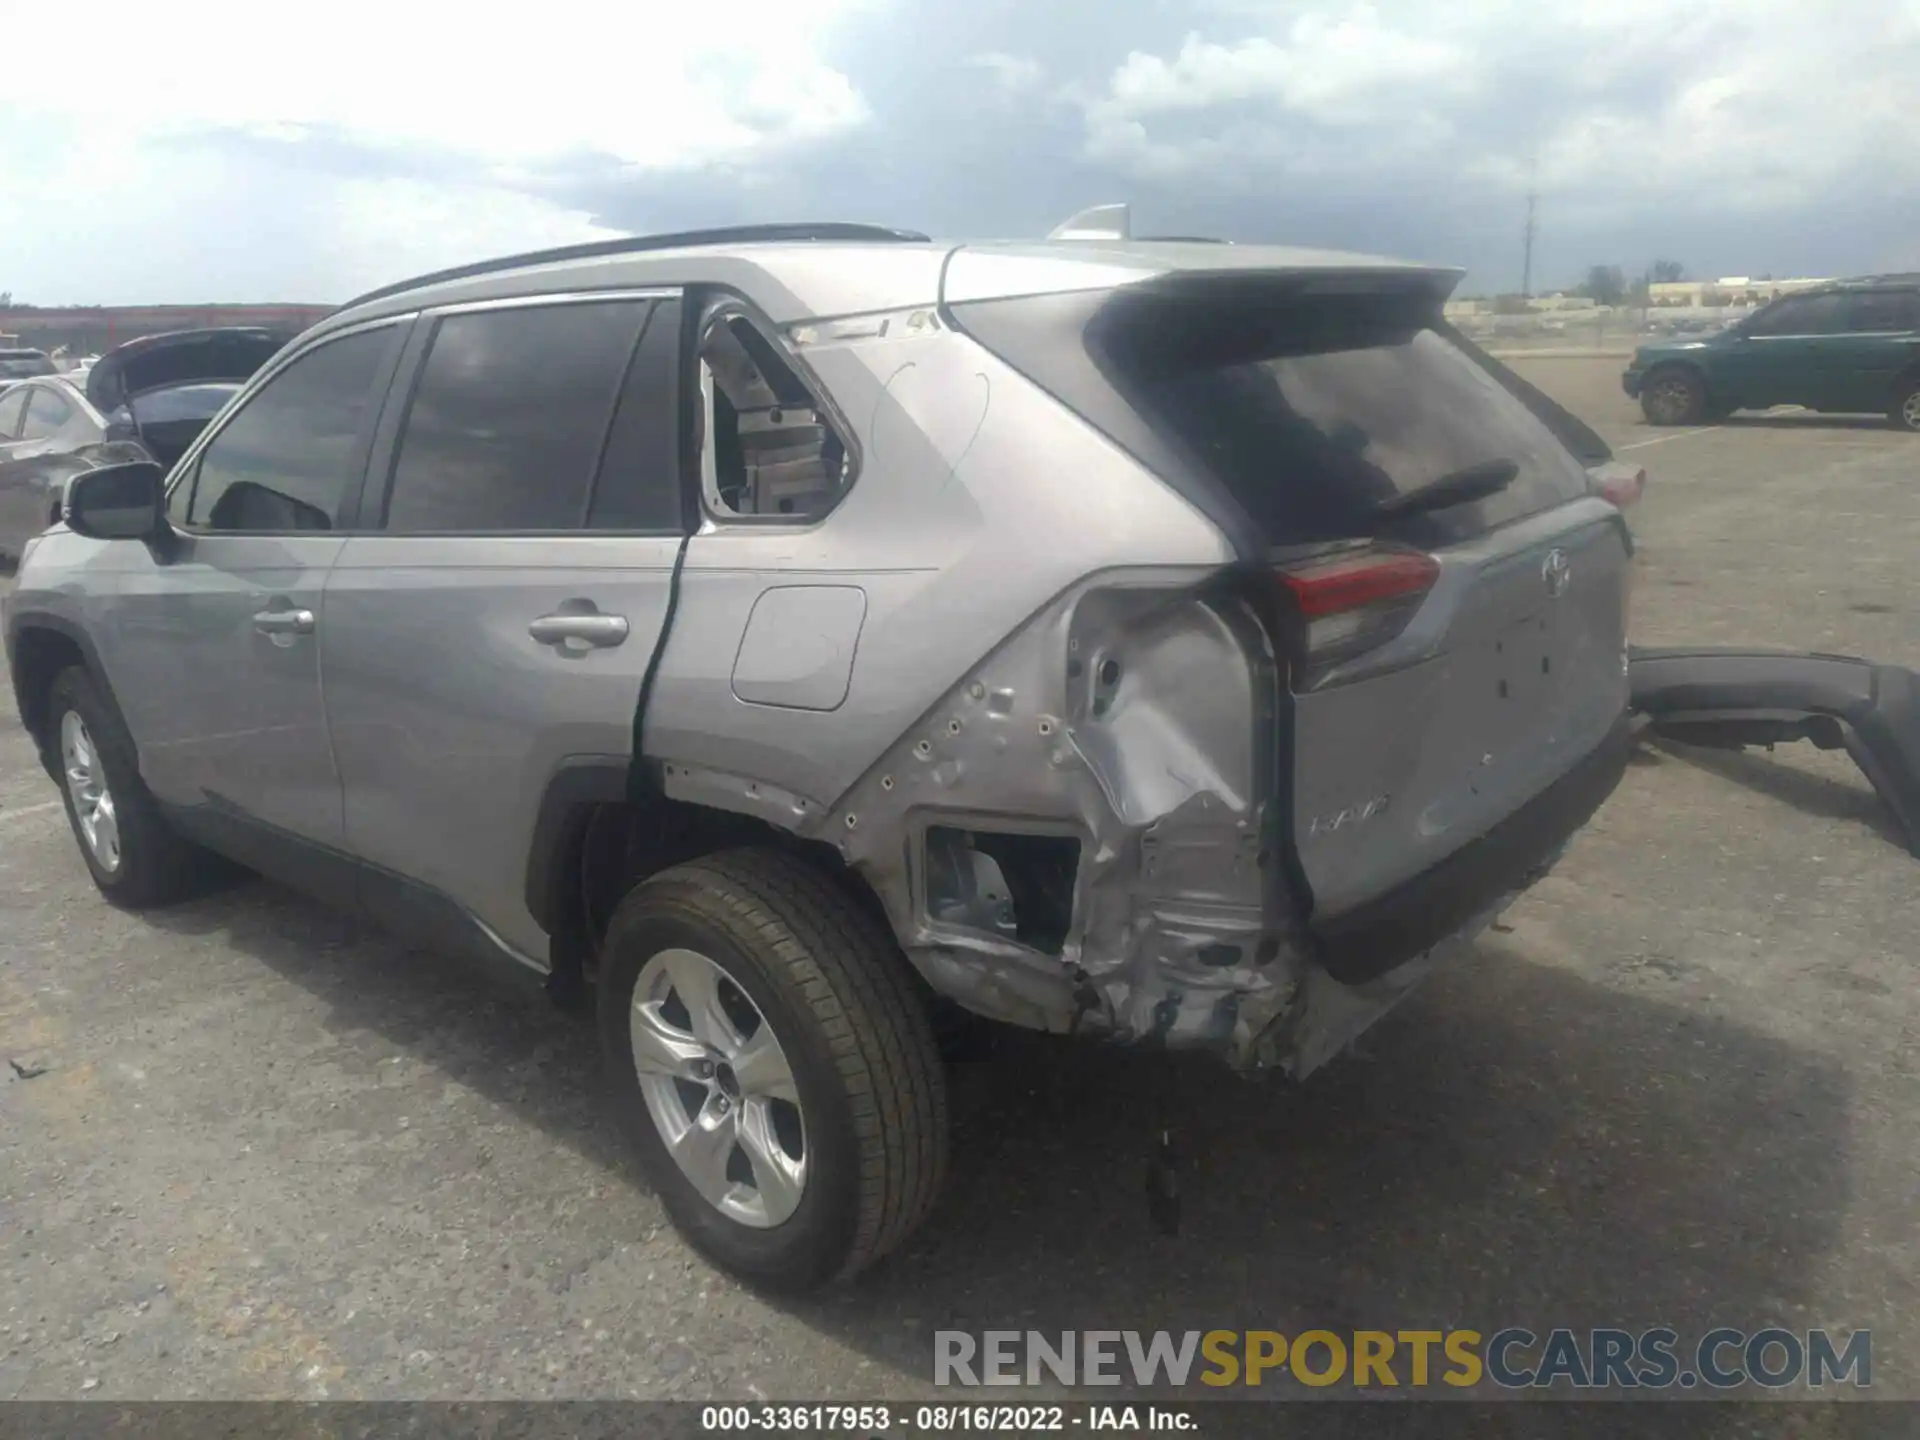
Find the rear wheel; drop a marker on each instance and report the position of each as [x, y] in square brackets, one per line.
[1906, 405]
[135, 859]
[773, 1064]
[1674, 396]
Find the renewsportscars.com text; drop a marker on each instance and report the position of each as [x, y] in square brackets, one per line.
[1513, 1358]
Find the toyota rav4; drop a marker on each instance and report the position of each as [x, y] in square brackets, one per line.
[776, 634]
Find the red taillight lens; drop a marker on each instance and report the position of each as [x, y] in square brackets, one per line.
[1618, 484]
[1358, 579]
[1346, 604]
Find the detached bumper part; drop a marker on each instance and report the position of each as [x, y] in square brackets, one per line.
[1732, 699]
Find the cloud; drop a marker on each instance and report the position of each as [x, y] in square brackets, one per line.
[1763, 101]
[1016, 74]
[650, 86]
[1751, 126]
[482, 113]
[1737, 135]
[1350, 70]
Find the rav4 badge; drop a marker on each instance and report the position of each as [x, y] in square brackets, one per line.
[1352, 815]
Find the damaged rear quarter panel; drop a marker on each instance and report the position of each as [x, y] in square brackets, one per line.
[1046, 651]
[1133, 713]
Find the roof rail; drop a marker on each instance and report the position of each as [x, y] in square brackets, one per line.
[638, 244]
[1183, 240]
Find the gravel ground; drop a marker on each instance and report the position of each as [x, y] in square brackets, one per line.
[274, 1155]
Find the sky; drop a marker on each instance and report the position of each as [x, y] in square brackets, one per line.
[226, 153]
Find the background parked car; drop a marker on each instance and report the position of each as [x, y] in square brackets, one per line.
[20, 364]
[147, 399]
[1852, 347]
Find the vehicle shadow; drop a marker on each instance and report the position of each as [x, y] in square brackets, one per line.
[1803, 420]
[1516, 1145]
[1522, 1147]
[1823, 797]
[495, 1033]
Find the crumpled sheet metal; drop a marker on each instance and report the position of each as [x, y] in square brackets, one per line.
[1133, 715]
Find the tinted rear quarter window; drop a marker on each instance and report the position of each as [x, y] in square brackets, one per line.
[287, 458]
[1885, 311]
[510, 417]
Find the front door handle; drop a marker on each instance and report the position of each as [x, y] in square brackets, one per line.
[588, 628]
[284, 622]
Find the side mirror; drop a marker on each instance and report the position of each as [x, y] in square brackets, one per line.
[118, 502]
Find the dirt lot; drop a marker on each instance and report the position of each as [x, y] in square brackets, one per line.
[272, 1155]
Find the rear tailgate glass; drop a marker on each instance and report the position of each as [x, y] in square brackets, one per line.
[1304, 412]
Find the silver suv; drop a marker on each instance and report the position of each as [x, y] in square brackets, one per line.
[779, 634]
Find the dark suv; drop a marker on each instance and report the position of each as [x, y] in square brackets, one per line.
[1849, 347]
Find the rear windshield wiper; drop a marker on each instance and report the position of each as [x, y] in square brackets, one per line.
[1456, 487]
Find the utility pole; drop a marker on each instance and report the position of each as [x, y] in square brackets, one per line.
[1526, 264]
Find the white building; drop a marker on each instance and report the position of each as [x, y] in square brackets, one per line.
[1729, 290]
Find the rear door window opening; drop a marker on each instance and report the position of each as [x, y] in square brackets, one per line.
[769, 449]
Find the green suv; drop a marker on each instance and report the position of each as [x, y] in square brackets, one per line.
[1852, 346]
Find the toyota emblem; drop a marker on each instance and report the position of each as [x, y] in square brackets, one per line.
[1557, 571]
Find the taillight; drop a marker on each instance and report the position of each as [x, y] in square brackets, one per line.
[1345, 604]
[1619, 484]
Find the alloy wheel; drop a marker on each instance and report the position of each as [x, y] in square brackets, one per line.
[1910, 410]
[1672, 398]
[87, 787]
[719, 1088]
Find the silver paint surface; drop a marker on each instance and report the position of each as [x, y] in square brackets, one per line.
[798, 649]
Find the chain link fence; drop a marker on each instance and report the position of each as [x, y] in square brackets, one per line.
[1599, 330]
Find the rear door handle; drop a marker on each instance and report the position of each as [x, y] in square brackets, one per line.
[284, 622]
[590, 628]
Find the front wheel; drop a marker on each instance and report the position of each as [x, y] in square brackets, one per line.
[1674, 397]
[1906, 406]
[135, 859]
[773, 1063]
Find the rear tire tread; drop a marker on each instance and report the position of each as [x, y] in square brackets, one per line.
[1700, 406]
[862, 999]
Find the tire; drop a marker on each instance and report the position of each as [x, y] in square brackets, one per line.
[1673, 396]
[1905, 410]
[135, 858]
[867, 1114]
